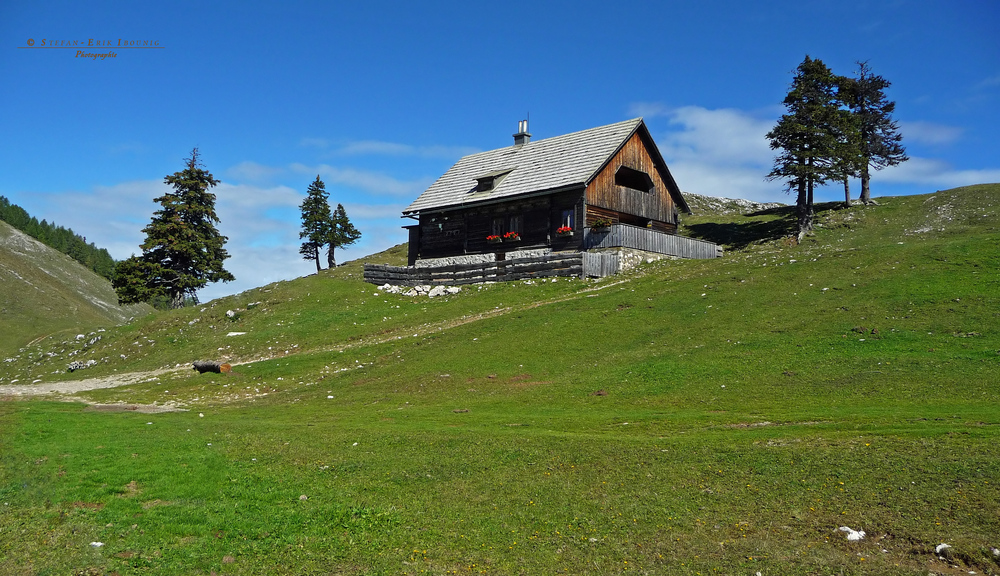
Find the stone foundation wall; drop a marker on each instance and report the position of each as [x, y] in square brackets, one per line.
[478, 258]
[540, 266]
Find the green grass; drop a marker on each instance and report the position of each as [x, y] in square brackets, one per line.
[44, 292]
[744, 414]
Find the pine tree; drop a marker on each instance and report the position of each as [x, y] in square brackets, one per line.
[183, 250]
[317, 222]
[880, 143]
[133, 281]
[848, 160]
[342, 234]
[808, 136]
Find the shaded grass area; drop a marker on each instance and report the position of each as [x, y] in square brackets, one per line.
[740, 231]
[693, 417]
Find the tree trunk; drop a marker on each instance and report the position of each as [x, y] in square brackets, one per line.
[866, 193]
[806, 223]
[330, 262]
[802, 210]
[177, 300]
[316, 258]
[847, 192]
[203, 366]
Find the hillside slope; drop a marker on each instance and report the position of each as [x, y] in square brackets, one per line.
[43, 291]
[691, 416]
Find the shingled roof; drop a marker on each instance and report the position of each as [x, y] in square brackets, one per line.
[543, 165]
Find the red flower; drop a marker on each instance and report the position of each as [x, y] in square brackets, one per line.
[564, 230]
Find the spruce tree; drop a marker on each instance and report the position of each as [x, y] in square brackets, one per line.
[879, 140]
[808, 136]
[342, 234]
[183, 250]
[848, 160]
[317, 221]
[133, 281]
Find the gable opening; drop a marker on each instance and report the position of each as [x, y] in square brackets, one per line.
[634, 179]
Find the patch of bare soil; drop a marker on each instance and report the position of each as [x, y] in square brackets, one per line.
[140, 408]
[75, 386]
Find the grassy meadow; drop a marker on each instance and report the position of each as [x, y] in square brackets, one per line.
[688, 417]
[44, 292]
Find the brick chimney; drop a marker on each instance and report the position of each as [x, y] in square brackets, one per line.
[522, 137]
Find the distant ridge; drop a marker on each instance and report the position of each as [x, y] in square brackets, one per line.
[43, 291]
[704, 205]
[62, 239]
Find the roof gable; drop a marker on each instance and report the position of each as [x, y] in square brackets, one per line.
[549, 164]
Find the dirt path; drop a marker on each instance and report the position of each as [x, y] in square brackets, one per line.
[75, 386]
[116, 380]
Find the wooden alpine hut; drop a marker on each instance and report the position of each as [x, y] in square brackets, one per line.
[602, 188]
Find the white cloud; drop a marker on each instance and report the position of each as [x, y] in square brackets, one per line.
[721, 152]
[932, 172]
[111, 217]
[258, 266]
[374, 211]
[262, 228]
[257, 217]
[725, 152]
[374, 182]
[377, 147]
[989, 82]
[382, 148]
[723, 136]
[321, 143]
[929, 133]
[727, 182]
[648, 109]
[262, 225]
[260, 222]
[395, 149]
[252, 172]
[264, 248]
[246, 196]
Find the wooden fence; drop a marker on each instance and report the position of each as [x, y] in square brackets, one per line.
[601, 264]
[627, 236]
[553, 264]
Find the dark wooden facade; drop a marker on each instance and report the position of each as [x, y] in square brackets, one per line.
[607, 198]
[535, 218]
[632, 187]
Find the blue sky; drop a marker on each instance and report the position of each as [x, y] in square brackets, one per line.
[380, 98]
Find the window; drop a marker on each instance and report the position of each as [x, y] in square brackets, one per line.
[634, 179]
[567, 219]
[502, 225]
[515, 223]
